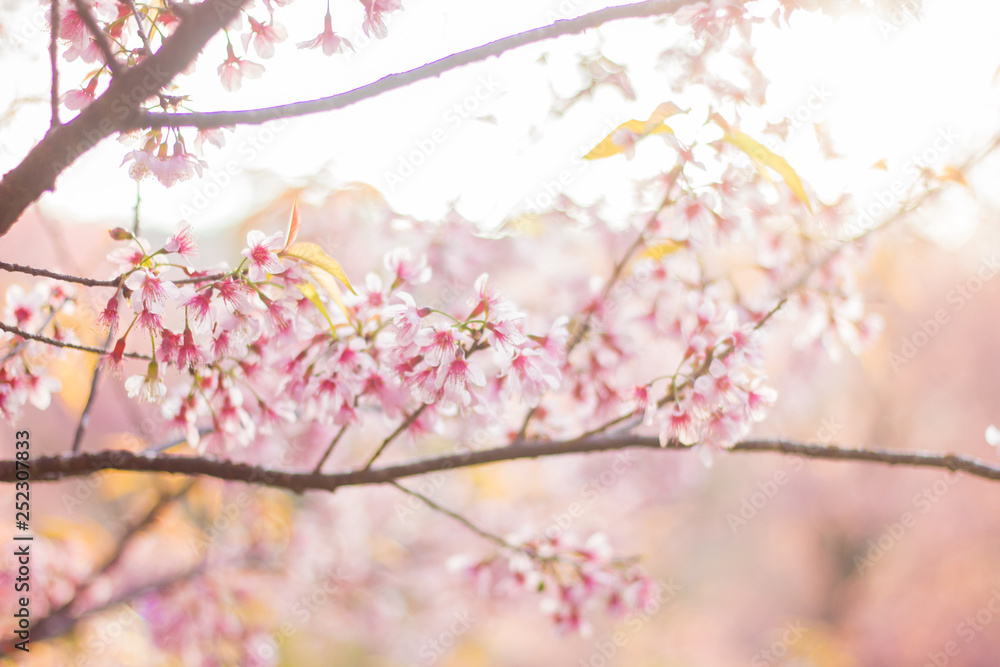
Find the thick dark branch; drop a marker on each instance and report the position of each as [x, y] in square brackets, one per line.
[112, 111]
[53, 468]
[400, 80]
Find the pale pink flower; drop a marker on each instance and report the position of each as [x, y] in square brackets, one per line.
[260, 252]
[328, 40]
[406, 317]
[234, 69]
[148, 387]
[149, 291]
[264, 37]
[182, 242]
[78, 99]
[529, 375]
[455, 378]
[507, 335]
[679, 424]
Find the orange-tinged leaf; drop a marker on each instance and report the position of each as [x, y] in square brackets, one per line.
[609, 146]
[313, 254]
[954, 175]
[762, 157]
[881, 164]
[293, 225]
[310, 292]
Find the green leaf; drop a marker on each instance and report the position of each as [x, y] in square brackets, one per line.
[313, 254]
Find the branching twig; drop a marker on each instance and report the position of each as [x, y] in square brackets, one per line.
[60, 343]
[81, 426]
[329, 450]
[392, 436]
[499, 541]
[138, 26]
[431, 70]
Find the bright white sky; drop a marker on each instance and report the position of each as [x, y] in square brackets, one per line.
[891, 95]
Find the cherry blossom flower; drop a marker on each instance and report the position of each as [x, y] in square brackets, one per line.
[189, 355]
[148, 387]
[455, 379]
[25, 308]
[182, 242]
[407, 271]
[233, 71]
[328, 40]
[406, 318]
[530, 375]
[108, 319]
[236, 294]
[80, 98]
[678, 423]
[263, 259]
[149, 291]
[180, 166]
[264, 36]
[374, 24]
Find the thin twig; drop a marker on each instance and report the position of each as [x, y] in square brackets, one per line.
[139, 28]
[499, 541]
[399, 429]
[60, 343]
[329, 450]
[164, 501]
[81, 426]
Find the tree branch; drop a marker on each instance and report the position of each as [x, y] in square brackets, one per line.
[100, 37]
[61, 343]
[54, 18]
[51, 468]
[573, 26]
[112, 110]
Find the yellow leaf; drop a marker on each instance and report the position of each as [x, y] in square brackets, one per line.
[762, 157]
[881, 164]
[332, 288]
[661, 250]
[309, 291]
[313, 254]
[293, 225]
[641, 128]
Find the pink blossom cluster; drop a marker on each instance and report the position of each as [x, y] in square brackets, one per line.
[24, 366]
[574, 577]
